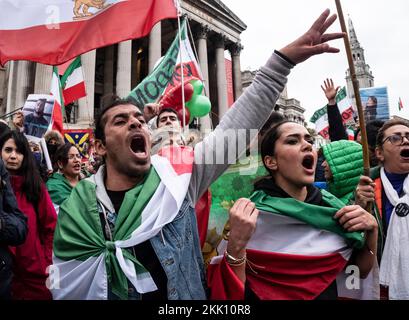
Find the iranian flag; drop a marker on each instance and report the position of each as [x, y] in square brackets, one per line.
[400, 104]
[351, 133]
[283, 269]
[55, 31]
[292, 255]
[58, 110]
[320, 117]
[85, 265]
[167, 75]
[72, 81]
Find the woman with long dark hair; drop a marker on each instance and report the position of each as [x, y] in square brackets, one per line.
[34, 256]
[305, 237]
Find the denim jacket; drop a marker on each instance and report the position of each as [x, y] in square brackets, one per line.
[176, 246]
[178, 249]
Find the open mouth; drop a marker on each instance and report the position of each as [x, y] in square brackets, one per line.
[138, 145]
[404, 153]
[308, 162]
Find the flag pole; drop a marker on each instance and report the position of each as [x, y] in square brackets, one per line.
[10, 114]
[364, 137]
[181, 67]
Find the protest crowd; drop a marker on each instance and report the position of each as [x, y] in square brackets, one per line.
[128, 218]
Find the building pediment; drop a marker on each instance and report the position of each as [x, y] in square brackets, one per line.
[222, 10]
[217, 16]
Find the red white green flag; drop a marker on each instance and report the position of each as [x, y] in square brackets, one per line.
[55, 31]
[291, 255]
[85, 264]
[320, 117]
[400, 104]
[351, 133]
[73, 82]
[167, 74]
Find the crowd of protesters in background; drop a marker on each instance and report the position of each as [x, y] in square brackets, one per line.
[126, 217]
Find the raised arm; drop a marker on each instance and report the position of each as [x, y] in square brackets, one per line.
[253, 108]
[314, 41]
[336, 127]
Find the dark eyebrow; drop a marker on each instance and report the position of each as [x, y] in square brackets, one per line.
[298, 136]
[401, 133]
[120, 115]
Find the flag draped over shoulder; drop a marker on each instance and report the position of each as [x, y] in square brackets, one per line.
[320, 117]
[85, 261]
[53, 32]
[296, 252]
[73, 82]
[167, 74]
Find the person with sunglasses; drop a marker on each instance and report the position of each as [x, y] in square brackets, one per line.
[392, 202]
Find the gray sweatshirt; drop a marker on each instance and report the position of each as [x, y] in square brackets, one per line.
[250, 111]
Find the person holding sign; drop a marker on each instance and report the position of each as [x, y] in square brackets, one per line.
[35, 124]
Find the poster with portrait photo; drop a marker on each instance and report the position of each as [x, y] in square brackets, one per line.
[39, 146]
[38, 110]
[375, 103]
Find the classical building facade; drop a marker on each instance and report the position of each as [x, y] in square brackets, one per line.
[118, 68]
[290, 108]
[362, 69]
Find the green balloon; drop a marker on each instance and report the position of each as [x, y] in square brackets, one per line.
[199, 106]
[197, 87]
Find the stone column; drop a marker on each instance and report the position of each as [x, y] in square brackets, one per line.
[25, 75]
[123, 70]
[221, 77]
[86, 104]
[109, 70]
[155, 45]
[43, 76]
[203, 31]
[11, 85]
[237, 83]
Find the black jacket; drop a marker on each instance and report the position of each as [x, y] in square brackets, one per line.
[336, 127]
[13, 230]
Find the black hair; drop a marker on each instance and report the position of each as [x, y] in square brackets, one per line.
[100, 122]
[269, 140]
[373, 98]
[166, 110]
[28, 170]
[62, 154]
[4, 129]
[372, 129]
[274, 118]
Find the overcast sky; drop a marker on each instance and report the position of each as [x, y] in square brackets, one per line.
[381, 26]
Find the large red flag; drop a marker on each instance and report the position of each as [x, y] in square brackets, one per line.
[57, 32]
